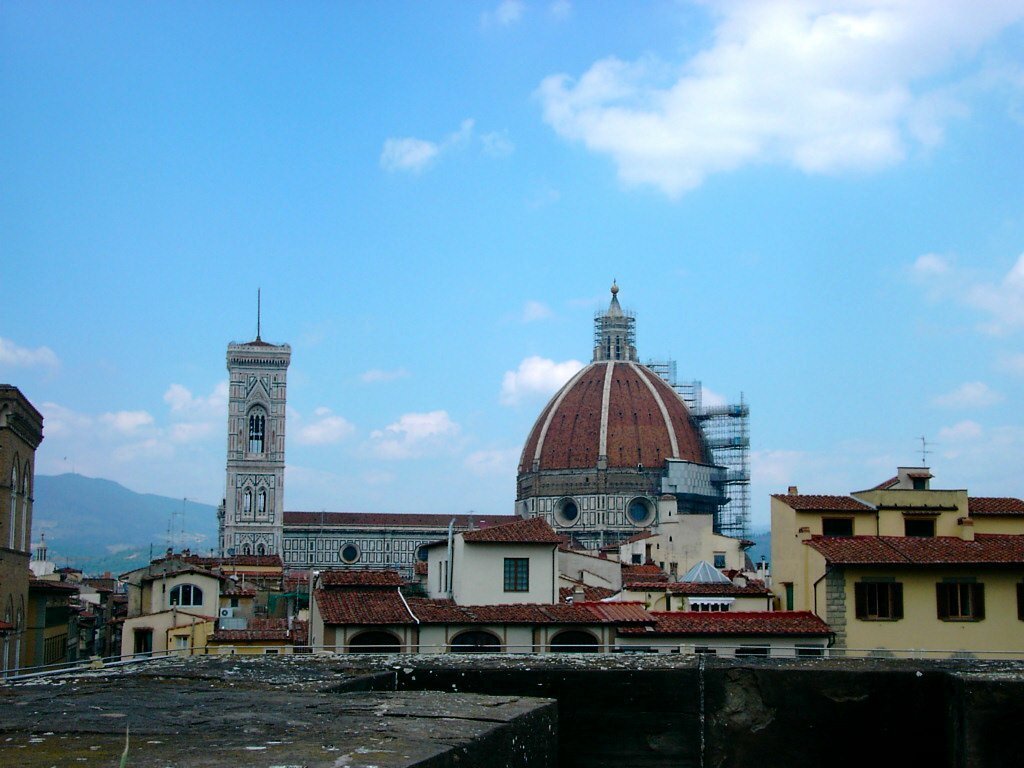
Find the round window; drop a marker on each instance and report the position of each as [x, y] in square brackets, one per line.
[567, 512]
[349, 553]
[640, 512]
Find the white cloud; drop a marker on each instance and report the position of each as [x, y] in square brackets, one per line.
[536, 376]
[493, 462]
[61, 421]
[973, 394]
[408, 154]
[22, 357]
[535, 310]
[326, 430]
[930, 265]
[1002, 300]
[1011, 363]
[966, 430]
[820, 85]
[183, 402]
[127, 422]
[414, 434]
[560, 9]
[708, 397]
[414, 155]
[497, 144]
[190, 432]
[376, 375]
[507, 13]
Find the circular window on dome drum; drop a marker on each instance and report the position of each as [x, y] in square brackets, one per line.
[567, 512]
[349, 553]
[640, 511]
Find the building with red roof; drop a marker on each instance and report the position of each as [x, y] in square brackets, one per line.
[905, 566]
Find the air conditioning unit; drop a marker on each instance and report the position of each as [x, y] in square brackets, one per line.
[227, 613]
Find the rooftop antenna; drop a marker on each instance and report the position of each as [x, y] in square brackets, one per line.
[258, 313]
[924, 451]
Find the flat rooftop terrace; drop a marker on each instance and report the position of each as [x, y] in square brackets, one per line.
[468, 710]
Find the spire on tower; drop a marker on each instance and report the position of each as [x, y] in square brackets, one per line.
[614, 332]
[258, 313]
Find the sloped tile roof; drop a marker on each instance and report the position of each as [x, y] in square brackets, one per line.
[886, 484]
[986, 549]
[751, 623]
[805, 502]
[447, 612]
[362, 606]
[393, 520]
[237, 589]
[420, 568]
[995, 505]
[380, 577]
[53, 586]
[261, 561]
[646, 573]
[249, 635]
[589, 593]
[532, 531]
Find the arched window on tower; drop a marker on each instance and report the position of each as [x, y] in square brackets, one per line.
[247, 503]
[14, 504]
[260, 549]
[261, 503]
[25, 475]
[257, 430]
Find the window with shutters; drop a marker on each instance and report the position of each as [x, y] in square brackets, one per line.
[960, 600]
[879, 600]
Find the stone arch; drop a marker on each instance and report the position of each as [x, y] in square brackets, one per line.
[475, 641]
[374, 641]
[574, 641]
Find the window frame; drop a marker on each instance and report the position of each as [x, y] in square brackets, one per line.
[909, 522]
[835, 521]
[516, 574]
[973, 591]
[870, 595]
[178, 590]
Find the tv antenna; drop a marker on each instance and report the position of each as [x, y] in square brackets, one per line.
[924, 451]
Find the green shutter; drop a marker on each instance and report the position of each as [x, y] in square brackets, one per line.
[897, 600]
[979, 600]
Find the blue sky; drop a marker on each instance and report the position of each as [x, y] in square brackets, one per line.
[819, 205]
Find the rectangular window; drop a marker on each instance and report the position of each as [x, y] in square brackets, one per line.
[837, 526]
[878, 601]
[719, 559]
[517, 574]
[960, 601]
[918, 527]
[1020, 601]
[789, 596]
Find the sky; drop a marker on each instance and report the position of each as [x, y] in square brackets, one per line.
[816, 205]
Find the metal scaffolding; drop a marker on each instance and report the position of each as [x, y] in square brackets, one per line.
[726, 430]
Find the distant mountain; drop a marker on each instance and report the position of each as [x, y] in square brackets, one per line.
[98, 525]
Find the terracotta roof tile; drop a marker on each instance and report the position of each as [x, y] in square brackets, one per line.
[447, 612]
[886, 484]
[589, 593]
[757, 623]
[366, 606]
[381, 577]
[53, 586]
[393, 520]
[535, 530]
[986, 549]
[646, 573]
[804, 502]
[995, 505]
[420, 568]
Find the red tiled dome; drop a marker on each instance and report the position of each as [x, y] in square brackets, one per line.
[620, 409]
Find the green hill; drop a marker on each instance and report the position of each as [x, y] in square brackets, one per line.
[98, 525]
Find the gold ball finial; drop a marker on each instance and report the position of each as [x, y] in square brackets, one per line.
[615, 288]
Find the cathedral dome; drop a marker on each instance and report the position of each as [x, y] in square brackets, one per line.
[613, 414]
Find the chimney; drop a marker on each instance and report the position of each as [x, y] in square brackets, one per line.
[966, 528]
[793, 490]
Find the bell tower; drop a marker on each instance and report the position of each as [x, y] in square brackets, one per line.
[251, 518]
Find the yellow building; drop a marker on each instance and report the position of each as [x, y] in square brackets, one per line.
[904, 569]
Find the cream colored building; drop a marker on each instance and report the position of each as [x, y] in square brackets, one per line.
[680, 541]
[172, 606]
[902, 568]
[510, 563]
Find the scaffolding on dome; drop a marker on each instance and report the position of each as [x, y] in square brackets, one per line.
[726, 429]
